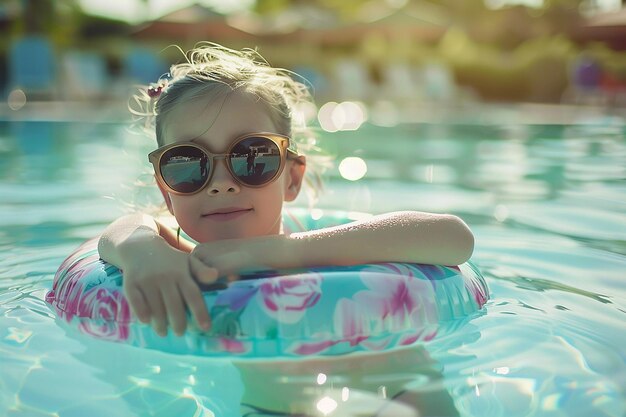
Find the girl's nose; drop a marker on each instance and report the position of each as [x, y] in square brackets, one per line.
[222, 181]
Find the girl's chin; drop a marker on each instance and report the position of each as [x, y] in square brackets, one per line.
[223, 231]
[228, 234]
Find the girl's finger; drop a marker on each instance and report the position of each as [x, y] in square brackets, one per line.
[201, 272]
[194, 300]
[138, 303]
[197, 254]
[175, 308]
[155, 301]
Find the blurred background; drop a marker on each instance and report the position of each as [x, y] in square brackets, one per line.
[388, 61]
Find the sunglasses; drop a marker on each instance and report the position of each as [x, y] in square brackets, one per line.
[254, 160]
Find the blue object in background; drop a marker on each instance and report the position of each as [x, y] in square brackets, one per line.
[32, 64]
[315, 80]
[144, 66]
[85, 74]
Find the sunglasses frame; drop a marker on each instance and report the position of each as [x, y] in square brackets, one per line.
[281, 141]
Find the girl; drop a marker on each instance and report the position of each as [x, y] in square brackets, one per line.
[209, 117]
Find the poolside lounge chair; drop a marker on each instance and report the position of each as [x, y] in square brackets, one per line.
[32, 67]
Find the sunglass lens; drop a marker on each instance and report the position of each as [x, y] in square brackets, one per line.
[185, 168]
[255, 160]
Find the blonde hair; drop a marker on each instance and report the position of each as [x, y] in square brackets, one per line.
[212, 70]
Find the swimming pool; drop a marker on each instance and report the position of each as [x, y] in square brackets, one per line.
[547, 205]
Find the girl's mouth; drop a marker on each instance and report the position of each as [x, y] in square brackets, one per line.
[227, 213]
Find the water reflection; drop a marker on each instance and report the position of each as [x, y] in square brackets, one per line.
[546, 204]
[39, 150]
[514, 163]
[404, 382]
[401, 382]
[104, 377]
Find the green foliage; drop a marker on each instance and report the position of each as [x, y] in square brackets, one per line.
[271, 6]
[536, 70]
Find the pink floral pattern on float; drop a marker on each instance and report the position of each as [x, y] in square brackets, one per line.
[393, 301]
[395, 296]
[109, 313]
[106, 330]
[71, 278]
[231, 345]
[67, 294]
[287, 300]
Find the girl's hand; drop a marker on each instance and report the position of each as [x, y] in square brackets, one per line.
[159, 282]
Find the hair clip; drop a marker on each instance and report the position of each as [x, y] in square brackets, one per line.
[156, 89]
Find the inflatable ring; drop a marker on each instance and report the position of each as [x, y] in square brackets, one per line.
[318, 311]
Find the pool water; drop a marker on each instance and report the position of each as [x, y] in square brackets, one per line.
[547, 204]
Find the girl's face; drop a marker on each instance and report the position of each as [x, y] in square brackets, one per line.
[225, 209]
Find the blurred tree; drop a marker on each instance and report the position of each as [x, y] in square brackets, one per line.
[57, 20]
[93, 27]
[271, 6]
[38, 16]
[346, 10]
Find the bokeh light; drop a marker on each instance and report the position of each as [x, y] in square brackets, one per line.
[501, 212]
[326, 405]
[325, 115]
[303, 113]
[16, 99]
[345, 394]
[352, 168]
[317, 214]
[347, 115]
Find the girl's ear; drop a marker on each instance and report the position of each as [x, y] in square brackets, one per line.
[295, 174]
[166, 197]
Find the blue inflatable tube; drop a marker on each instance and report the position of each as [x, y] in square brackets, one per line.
[317, 311]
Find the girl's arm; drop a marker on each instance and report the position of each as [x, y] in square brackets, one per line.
[406, 236]
[158, 272]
